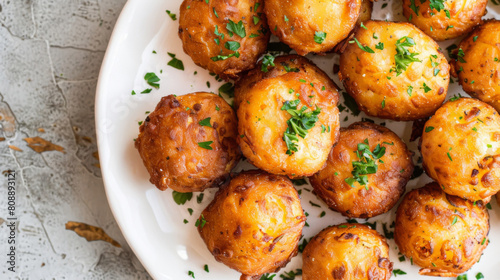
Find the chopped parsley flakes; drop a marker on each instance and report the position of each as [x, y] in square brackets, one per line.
[298, 124]
[404, 57]
[319, 37]
[176, 63]
[366, 163]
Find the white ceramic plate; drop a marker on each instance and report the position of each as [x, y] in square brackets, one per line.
[150, 220]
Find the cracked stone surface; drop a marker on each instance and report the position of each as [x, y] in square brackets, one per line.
[50, 54]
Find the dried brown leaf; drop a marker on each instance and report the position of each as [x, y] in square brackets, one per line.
[91, 233]
[40, 145]
[12, 147]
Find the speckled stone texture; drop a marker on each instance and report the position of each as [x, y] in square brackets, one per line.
[50, 55]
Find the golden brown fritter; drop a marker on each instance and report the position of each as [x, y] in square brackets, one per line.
[311, 26]
[478, 63]
[347, 251]
[182, 154]
[461, 149]
[225, 37]
[451, 20]
[372, 69]
[365, 13]
[263, 119]
[382, 189]
[254, 224]
[443, 234]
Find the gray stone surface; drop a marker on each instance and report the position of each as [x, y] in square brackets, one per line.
[50, 55]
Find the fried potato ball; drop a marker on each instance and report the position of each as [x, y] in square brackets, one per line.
[461, 149]
[382, 171]
[187, 144]
[288, 117]
[448, 20]
[394, 71]
[254, 224]
[365, 13]
[225, 37]
[310, 26]
[347, 251]
[443, 234]
[478, 63]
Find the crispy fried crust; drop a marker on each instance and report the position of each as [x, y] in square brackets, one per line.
[461, 149]
[347, 251]
[169, 137]
[197, 23]
[479, 69]
[262, 123]
[254, 224]
[443, 234]
[377, 89]
[384, 188]
[365, 13]
[463, 17]
[295, 22]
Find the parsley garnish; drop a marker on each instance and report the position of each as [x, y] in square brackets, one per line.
[206, 268]
[267, 276]
[460, 56]
[436, 5]
[206, 145]
[365, 48]
[298, 124]
[409, 90]
[236, 28]
[455, 98]
[171, 15]
[366, 164]
[152, 79]
[462, 277]
[232, 45]
[181, 198]
[455, 219]
[228, 89]
[380, 46]
[200, 222]
[479, 275]
[176, 63]
[256, 20]
[414, 7]
[190, 273]
[404, 57]
[319, 37]
[148, 90]
[267, 60]
[398, 272]
[426, 88]
[429, 129]
[218, 33]
[291, 275]
[205, 122]
[475, 38]
[224, 57]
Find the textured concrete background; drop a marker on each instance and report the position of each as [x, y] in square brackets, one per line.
[50, 55]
